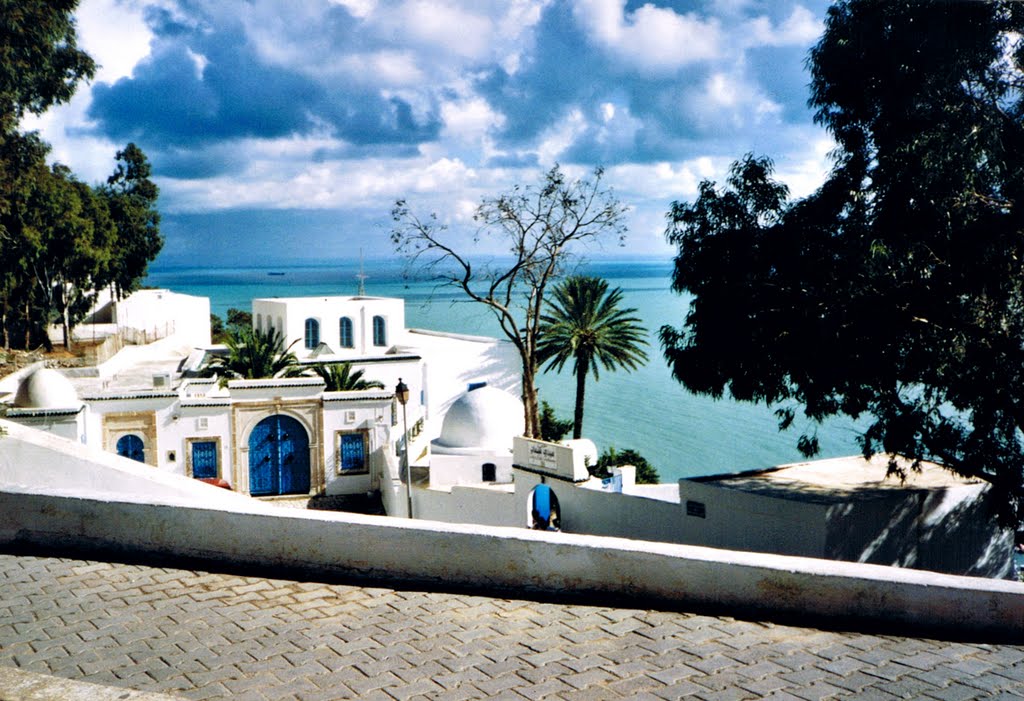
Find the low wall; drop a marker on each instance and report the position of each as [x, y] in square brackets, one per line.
[488, 507]
[37, 461]
[519, 560]
[57, 494]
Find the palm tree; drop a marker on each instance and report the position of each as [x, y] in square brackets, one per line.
[255, 354]
[340, 378]
[586, 324]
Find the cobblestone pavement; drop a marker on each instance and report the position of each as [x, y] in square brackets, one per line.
[206, 635]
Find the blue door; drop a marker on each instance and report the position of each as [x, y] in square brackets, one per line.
[130, 446]
[204, 459]
[278, 457]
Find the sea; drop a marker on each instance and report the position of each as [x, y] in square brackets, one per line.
[680, 433]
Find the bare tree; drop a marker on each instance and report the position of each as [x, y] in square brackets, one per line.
[542, 227]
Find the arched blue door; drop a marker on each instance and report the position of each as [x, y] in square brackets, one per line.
[278, 457]
[130, 446]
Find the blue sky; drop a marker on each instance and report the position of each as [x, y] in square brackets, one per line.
[285, 130]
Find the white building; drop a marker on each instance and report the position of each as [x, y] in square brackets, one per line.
[289, 436]
[275, 436]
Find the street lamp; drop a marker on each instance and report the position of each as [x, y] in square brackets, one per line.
[402, 395]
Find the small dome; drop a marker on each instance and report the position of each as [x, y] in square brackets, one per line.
[485, 417]
[46, 389]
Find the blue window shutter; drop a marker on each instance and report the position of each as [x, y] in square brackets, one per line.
[130, 446]
[312, 333]
[345, 331]
[204, 459]
[380, 332]
[353, 452]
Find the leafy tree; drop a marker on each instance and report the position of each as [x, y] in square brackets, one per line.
[40, 64]
[239, 317]
[542, 226]
[217, 329]
[341, 378]
[75, 234]
[552, 428]
[131, 197]
[56, 234]
[584, 323]
[254, 354]
[23, 171]
[645, 472]
[896, 291]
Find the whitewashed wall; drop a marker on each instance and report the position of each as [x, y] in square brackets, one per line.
[293, 312]
[453, 362]
[372, 416]
[161, 310]
[105, 502]
[738, 519]
[450, 470]
[186, 422]
[484, 506]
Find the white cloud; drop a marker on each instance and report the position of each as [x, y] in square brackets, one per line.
[279, 175]
[199, 61]
[555, 140]
[358, 8]
[665, 181]
[650, 38]
[114, 33]
[799, 29]
[443, 26]
[729, 99]
[468, 120]
[805, 172]
[386, 68]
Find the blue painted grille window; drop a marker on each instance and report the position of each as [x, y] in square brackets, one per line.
[346, 340]
[380, 331]
[130, 446]
[312, 333]
[352, 451]
[204, 459]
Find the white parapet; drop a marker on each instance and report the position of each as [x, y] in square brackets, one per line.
[176, 517]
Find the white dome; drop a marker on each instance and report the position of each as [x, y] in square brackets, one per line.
[485, 417]
[46, 389]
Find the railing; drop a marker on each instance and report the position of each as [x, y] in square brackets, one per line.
[414, 431]
[140, 337]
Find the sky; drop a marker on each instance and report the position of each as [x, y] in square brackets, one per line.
[284, 130]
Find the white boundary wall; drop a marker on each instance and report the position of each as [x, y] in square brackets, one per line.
[173, 516]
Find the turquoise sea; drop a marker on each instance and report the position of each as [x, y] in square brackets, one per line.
[681, 434]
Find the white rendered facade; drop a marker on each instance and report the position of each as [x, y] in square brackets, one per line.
[147, 403]
[338, 328]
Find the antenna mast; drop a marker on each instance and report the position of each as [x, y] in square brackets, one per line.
[361, 277]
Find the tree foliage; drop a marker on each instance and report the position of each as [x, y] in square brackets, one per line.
[645, 472]
[340, 377]
[254, 354]
[584, 323]
[542, 227]
[896, 290]
[40, 63]
[131, 197]
[60, 239]
[552, 428]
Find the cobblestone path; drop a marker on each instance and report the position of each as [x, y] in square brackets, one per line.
[206, 635]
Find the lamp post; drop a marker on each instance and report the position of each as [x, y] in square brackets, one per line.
[402, 395]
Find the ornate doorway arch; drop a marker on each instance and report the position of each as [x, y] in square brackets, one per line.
[278, 457]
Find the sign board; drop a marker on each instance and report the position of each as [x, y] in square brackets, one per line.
[554, 459]
[613, 483]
